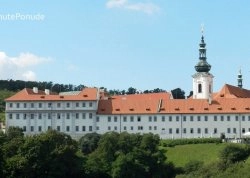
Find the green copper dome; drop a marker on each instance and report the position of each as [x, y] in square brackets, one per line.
[202, 65]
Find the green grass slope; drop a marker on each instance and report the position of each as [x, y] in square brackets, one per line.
[182, 154]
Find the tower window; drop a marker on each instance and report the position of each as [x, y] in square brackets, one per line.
[199, 88]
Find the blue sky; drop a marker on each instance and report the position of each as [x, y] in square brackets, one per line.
[117, 44]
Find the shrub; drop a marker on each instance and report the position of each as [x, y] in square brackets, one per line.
[234, 153]
[174, 142]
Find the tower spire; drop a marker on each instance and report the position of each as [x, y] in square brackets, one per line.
[240, 85]
[202, 65]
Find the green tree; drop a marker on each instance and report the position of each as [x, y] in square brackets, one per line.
[50, 154]
[89, 142]
[14, 132]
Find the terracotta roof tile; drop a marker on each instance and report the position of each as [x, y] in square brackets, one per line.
[28, 95]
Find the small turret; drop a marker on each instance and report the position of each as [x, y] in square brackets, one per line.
[240, 85]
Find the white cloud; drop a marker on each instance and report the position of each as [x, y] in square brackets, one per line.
[19, 68]
[148, 8]
[29, 76]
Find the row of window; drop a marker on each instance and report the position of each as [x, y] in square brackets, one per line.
[50, 105]
[58, 128]
[177, 130]
[50, 115]
[177, 118]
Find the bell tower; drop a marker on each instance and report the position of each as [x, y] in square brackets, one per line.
[202, 80]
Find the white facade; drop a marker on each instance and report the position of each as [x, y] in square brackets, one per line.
[202, 85]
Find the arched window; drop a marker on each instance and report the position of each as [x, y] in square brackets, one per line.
[199, 88]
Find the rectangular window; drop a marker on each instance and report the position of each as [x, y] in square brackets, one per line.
[77, 128]
[10, 105]
[198, 130]
[138, 118]
[243, 130]
[228, 130]
[83, 128]
[49, 127]
[67, 116]
[170, 118]
[90, 128]
[115, 128]
[67, 128]
[58, 128]
[83, 105]
[67, 105]
[24, 105]
[109, 128]
[84, 115]
[131, 119]
[131, 128]
[248, 118]
[155, 118]
[177, 118]
[215, 118]
[58, 105]
[77, 115]
[191, 130]
[243, 118]
[17, 105]
[58, 116]
[221, 118]
[236, 118]
[124, 119]
[184, 130]
[140, 127]
[109, 118]
[150, 127]
[206, 130]
[49, 115]
[90, 104]
[31, 116]
[124, 128]
[184, 118]
[40, 105]
[215, 131]
[39, 116]
[155, 127]
[228, 118]
[177, 131]
[191, 118]
[234, 130]
[115, 119]
[163, 118]
[49, 105]
[39, 128]
[206, 118]
[32, 105]
[24, 128]
[97, 119]
[170, 130]
[150, 118]
[17, 116]
[10, 116]
[97, 128]
[32, 128]
[77, 105]
[90, 115]
[24, 116]
[198, 118]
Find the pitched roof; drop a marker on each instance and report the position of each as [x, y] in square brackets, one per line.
[229, 91]
[162, 103]
[29, 95]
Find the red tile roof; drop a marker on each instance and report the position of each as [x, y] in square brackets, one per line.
[234, 100]
[28, 95]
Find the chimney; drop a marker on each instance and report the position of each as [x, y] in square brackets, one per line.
[35, 89]
[46, 91]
